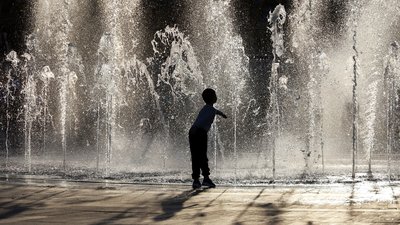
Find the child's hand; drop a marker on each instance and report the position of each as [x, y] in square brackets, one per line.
[221, 114]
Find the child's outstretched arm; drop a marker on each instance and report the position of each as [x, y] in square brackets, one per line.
[220, 114]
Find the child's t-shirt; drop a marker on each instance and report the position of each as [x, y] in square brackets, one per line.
[205, 118]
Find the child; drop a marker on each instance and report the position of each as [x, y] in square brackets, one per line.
[198, 139]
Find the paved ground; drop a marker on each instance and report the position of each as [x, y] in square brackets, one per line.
[99, 203]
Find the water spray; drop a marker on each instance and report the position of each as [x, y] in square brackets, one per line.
[13, 59]
[354, 96]
[276, 20]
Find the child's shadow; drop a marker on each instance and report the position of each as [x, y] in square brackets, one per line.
[173, 205]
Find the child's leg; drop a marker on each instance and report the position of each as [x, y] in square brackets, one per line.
[203, 154]
[204, 166]
[194, 151]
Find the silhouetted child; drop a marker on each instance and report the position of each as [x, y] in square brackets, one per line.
[198, 139]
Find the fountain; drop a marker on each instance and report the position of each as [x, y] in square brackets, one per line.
[13, 59]
[91, 102]
[276, 19]
[45, 77]
[355, 10]
[30, 108]
[392, 86]
[370, 138]
[316, 66]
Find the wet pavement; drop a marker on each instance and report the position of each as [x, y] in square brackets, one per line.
[38, 201]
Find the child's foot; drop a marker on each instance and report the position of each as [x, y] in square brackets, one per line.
[208, 183]
[196, 184]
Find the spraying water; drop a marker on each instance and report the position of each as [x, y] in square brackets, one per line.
[13, 59]
[30, 108]
[392, 87]
[57, 31]
[226, 69]
[318, 70]
[276, 20]
[110, 55]
[313, 61]
[355, 97]
[179, 80]
[45, 77]
[109, 91]
[141, 92]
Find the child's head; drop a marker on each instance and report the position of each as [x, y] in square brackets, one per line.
[209, 96]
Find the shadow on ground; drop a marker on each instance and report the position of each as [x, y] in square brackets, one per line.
[171, 206]
[273, 211]
[11, 208]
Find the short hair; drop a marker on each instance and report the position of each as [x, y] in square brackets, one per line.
[209, 96]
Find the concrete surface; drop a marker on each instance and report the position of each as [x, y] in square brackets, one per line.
[100, 203]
